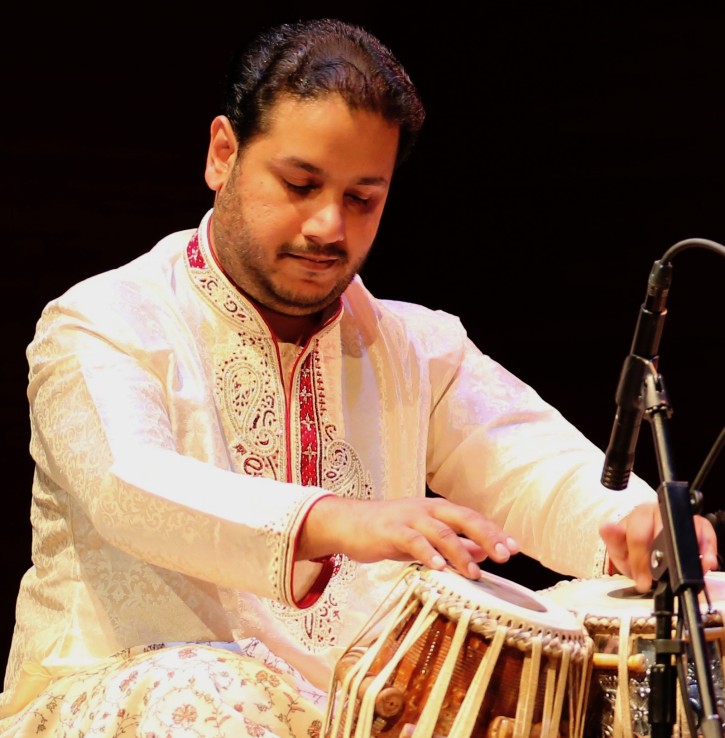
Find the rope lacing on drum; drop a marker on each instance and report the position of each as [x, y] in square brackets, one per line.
[519, 635]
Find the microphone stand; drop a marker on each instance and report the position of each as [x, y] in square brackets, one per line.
[677, 573]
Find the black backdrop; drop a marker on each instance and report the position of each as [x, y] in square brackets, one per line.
[563, 154]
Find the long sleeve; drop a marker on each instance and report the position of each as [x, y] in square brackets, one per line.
[120, 429]
[497, 446]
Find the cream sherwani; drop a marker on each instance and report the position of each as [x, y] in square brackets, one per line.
[174, 472]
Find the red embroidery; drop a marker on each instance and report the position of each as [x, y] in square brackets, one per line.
[309, 426]
[193, 253]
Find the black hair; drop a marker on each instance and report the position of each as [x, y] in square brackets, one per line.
[310, 59]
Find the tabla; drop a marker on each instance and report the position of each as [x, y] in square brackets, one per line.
[454, 657]
[622, 626]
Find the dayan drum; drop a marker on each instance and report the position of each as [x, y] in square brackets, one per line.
[622, 625]
[448, 656]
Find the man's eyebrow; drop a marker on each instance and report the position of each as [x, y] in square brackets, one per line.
[301, 164]
[376, 181]
[312, 169]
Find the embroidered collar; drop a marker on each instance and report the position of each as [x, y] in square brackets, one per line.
[217, 289]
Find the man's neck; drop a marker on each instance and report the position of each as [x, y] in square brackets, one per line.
[291, 328]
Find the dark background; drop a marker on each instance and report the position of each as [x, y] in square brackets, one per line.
[563, 154]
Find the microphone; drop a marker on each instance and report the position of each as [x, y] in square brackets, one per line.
[619, 457]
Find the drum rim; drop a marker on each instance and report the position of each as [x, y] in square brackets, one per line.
[559, 621]
[605, 616]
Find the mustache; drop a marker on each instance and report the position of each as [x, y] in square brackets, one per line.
[330, 250]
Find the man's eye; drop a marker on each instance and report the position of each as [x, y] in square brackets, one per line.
[300, 189]
[358, 200]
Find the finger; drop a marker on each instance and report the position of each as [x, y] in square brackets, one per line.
[476, 551]
[421, 548]
[459, 552]
[707, 542]
[480, 530]
[615, 539]
[642, 524]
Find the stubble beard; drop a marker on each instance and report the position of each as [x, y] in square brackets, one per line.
[242, 259]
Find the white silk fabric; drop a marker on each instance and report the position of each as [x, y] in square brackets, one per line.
[173, 474]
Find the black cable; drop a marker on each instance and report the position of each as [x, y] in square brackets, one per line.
[716, 518]
[691, 243]
[709, 462]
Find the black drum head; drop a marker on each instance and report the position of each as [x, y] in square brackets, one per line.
[630, 593]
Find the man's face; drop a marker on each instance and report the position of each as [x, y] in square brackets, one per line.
[297, 211]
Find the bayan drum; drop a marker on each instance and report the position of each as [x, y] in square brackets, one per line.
[449, 656]
[622, 626]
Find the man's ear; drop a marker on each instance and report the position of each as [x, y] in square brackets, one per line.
[222, 154]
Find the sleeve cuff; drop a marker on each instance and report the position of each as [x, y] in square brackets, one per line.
[308, 579]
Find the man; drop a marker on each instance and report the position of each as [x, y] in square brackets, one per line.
[233, 437]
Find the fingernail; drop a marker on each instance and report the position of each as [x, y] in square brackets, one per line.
[474, 571]
[438, 562]
[501, 551]
[512, 543]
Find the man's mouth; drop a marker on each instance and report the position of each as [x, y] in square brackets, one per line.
[314, 260]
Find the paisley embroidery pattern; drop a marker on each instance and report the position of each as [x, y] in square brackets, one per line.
[247, 399]
[249, 392]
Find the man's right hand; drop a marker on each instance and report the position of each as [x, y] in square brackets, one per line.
[434, 531]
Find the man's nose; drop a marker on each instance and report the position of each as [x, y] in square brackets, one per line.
[325, 224]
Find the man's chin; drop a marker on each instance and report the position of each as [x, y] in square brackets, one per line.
[306, 302]
[300, 306]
